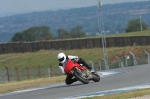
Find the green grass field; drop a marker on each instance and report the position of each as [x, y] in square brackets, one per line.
[143, 33]
[45, 58]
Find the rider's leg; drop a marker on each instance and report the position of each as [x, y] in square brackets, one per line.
[81, 61]
[69, 79]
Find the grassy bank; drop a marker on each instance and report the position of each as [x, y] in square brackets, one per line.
[26, 84]
[143, 33]
[125, 95]
[45, 58]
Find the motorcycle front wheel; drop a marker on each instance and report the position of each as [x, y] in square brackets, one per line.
[79, 77]
[96, 77]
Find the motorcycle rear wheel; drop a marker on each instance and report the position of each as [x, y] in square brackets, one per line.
[77, 75]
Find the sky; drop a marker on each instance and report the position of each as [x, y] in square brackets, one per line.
[8, 7]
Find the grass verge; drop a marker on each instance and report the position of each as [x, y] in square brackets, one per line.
[26, 84]
[125, 95]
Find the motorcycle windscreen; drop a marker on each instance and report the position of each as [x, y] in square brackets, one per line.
[68, 67]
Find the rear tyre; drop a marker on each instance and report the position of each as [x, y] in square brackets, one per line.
[96, 77]
[79, 77]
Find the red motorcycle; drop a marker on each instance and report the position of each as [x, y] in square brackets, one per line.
[80, 72]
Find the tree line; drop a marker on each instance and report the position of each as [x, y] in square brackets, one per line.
[40, 33]
[44, 33]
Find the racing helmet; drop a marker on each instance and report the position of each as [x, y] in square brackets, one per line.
[61, 57]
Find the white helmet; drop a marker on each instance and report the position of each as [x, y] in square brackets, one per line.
[61, 57]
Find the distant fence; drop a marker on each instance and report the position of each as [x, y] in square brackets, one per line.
[73, 44]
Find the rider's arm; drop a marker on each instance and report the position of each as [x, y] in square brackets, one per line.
[61, 68]
[72, 57]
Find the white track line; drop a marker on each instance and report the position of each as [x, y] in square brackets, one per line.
[114, 91]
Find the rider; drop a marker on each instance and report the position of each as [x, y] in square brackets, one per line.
[62, 59]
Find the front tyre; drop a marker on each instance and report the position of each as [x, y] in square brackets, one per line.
[96, 77]
[79, 77]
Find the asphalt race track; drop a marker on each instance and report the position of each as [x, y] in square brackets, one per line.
[126, 77]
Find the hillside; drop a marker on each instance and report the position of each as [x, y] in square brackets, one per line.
[115, 16]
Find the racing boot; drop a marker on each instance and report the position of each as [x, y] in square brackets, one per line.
[71, 81]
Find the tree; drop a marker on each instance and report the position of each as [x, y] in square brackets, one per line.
[77, 32]
[33, 34]
[17, 37]
[135, 25]
[63, 34]
[45, 33]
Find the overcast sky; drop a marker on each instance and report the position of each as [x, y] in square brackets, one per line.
[21, 6]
